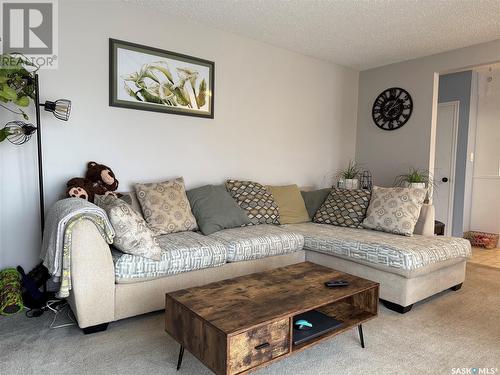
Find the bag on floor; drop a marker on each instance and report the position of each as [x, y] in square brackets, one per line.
[11, 301]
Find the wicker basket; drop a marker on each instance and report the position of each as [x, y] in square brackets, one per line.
[482, 239]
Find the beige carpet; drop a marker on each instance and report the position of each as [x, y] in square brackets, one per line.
[452, 330]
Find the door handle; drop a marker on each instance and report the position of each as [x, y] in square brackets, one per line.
[444, 179]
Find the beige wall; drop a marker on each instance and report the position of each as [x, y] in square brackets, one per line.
[389, 153]
[280, 117]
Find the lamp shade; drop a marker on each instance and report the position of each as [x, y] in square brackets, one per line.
[18, 132]
[60, 108]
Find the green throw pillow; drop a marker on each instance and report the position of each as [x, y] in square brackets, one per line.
[314, 200]
[215, 209]
[291, 205]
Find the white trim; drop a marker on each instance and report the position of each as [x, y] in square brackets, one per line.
[471, 150]
[432, 140]
[486, 177]
[456, 106]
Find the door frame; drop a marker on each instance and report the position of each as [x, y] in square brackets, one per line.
[471, 150]
[451, 195]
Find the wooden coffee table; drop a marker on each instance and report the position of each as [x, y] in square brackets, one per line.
[239, 325]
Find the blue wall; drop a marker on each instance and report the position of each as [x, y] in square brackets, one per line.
[457, 86]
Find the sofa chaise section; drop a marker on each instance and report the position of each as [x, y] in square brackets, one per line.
[402, 255]
[409, 269]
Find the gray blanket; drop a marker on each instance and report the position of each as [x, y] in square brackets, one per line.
[56, 246]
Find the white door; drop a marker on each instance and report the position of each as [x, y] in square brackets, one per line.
[444, 172]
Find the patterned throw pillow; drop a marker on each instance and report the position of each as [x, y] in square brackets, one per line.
[394, 210]
[132, 233]
[344, 208]
[128, 197]
[257, 202]
[165, 206]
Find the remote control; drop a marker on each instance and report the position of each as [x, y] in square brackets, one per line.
[336, 283]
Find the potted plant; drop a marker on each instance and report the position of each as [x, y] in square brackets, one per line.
[414, 178]
[17, 87]
[350, 176]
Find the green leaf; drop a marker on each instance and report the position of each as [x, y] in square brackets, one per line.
[149, 97]
[201, 98]
[8, 93]
[3, 134]
[181, 96]
[23, 101]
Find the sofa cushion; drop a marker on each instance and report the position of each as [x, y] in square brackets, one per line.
[394, 210]
[132, 234]
[314, 199]
[165, 206]
[291, 206]
[215, 210]
[257, 202]
[402, 255]
[181, 252]
[345, 208]
[253, 242]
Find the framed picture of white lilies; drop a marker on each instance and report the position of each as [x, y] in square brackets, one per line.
[152, 79]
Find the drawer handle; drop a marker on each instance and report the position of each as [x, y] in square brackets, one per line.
[262, 346]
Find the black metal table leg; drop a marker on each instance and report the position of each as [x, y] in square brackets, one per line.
[179, 361]
[361, 338]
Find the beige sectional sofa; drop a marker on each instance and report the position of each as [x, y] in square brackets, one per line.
[108, 286]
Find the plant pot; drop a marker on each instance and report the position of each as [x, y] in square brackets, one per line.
[416, 185]
[351, 183]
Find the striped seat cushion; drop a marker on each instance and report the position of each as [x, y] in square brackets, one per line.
[258, 241]
[182, 252]
[406, 256]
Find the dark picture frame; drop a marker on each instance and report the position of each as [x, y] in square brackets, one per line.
[152, 79]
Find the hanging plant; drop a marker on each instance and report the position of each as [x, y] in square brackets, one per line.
[17, 82]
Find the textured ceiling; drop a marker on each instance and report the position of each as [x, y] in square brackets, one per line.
[360, 34]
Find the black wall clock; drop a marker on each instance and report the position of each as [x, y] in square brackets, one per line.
[392, 108]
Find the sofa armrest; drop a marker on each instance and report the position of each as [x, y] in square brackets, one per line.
[425, 223]
[92, 297]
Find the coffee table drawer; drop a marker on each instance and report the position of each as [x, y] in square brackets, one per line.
[258, 345]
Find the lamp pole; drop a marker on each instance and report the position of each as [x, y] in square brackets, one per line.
[40, 155]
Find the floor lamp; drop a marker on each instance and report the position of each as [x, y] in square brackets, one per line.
[19, 132]
[61, 109]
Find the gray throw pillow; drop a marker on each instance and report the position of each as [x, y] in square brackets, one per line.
[215, 209]
[314, 200]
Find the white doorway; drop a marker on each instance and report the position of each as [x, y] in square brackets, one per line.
[445, 162]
